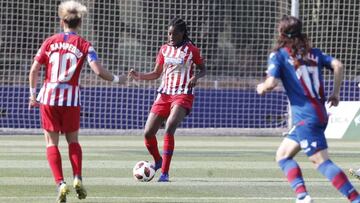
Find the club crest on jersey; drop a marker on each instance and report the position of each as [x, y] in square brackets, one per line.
[304, 144]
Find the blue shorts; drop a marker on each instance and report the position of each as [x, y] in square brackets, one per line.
[311, 137]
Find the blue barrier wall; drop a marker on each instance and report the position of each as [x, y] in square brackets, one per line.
[127, 108]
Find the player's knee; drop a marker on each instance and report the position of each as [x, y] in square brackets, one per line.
[148, 134]
[170, 130]
[280, 155]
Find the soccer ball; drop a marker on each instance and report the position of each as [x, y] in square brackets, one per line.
[143, 171]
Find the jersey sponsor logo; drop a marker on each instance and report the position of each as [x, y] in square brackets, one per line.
[174, 61]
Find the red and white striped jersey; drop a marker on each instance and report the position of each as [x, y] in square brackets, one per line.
[178, 67]
[63, 55]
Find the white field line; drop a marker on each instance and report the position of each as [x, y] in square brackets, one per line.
[205, 182]
[177, 198]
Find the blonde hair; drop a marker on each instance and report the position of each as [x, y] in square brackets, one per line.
[71, 12]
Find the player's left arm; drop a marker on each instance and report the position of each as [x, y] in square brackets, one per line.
[102, 72]
[200, 69]
[202, 72]
[337, 67]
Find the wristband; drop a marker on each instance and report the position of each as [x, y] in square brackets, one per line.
[116, 79]
[32, 91]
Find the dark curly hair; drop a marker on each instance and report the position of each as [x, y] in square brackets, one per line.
[180, 25]
[291, 36]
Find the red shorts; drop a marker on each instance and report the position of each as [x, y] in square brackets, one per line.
[62, 119]
[164, 103]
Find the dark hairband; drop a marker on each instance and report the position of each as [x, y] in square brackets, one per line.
[292, 34]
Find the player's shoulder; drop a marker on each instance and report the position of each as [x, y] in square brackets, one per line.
[274, 55]
[51, 39]
[316, 51]
[164, 46]
[191, 46]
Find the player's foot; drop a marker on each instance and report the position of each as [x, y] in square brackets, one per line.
[164, 177]
[158, 165]
[79, 188]
[63, 190]
[306, 199]
[355, 173]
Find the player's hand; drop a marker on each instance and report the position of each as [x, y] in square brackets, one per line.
[33, 102]
[133, 75]
[333, 100]
[192, 82]
[260, 89]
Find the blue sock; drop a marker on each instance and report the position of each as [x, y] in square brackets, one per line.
[293, 173]
[339, 180]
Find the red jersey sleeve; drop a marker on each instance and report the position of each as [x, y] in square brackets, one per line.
[160, 56]
[196, 55]
[41, 54]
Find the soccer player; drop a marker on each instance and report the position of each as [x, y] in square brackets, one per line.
[180, 64]
[299, 67]
[63, 56]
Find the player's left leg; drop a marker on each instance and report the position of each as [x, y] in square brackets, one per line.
[335, 175]
[53, 155]
[177, 114]
[75, 156]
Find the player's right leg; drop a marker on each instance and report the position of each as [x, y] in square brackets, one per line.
[54, 160]
[152, 125]
[284, 156]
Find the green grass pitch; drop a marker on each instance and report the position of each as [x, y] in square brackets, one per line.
[204, 169]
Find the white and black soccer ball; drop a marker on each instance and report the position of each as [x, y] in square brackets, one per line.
[143, 171]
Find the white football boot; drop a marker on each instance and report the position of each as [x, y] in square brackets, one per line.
[307, 199]
[63, 190]
[79, 188]
[355, 173]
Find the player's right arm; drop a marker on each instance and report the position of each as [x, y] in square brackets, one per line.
[155, 74]
[33, 77]
[273, 72]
